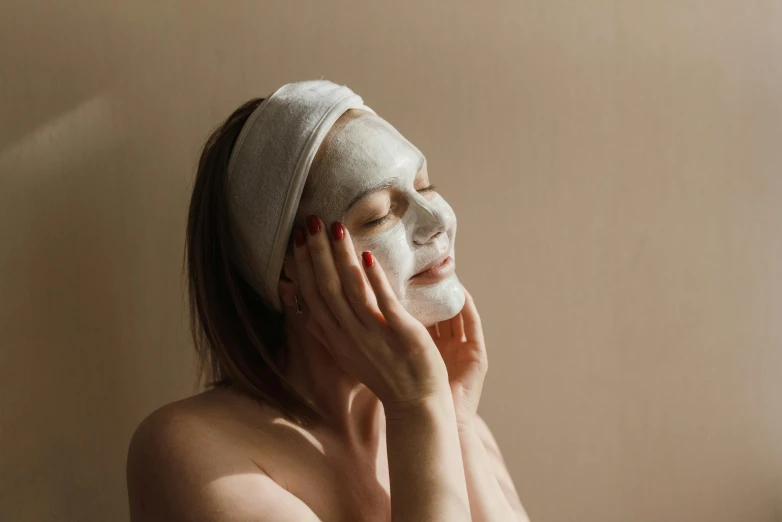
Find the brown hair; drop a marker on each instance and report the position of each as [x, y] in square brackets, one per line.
[239, 340]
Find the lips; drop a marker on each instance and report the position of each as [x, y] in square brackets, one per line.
[439, 260]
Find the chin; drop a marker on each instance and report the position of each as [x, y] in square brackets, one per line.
[434, 303]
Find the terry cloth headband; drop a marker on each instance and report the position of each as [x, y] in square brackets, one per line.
[268, 169]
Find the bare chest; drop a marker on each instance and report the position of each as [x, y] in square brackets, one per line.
[337, 484]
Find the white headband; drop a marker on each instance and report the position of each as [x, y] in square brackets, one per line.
[268, 169]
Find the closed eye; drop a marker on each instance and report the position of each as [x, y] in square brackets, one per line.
[379, 221]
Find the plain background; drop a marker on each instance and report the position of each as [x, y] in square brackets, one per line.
[616, 168]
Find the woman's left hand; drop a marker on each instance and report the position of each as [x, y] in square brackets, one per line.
[460, 341]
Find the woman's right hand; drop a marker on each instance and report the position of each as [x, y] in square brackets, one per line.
[361, 321]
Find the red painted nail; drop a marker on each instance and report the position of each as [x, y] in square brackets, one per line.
[313, 225]
[337, 231]
[298, 236]
[368, 259]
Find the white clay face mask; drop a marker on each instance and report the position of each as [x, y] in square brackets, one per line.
[406, 228]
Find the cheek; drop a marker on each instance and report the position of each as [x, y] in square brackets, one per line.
[393, 252]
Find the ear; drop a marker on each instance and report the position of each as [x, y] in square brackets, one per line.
[288, 285]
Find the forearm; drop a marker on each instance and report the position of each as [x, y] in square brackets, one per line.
[488, 502]
[425, 463]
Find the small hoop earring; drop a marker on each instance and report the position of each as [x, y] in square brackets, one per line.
[298, 306]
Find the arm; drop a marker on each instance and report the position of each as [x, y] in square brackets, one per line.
[364, 326]
[425, 464]
[493, 497]
[490, 489]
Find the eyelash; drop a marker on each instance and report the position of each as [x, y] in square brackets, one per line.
[377, 222]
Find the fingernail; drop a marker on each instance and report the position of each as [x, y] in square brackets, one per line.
[313, 225]
[337, 231]
[368, 260]
[298, 236]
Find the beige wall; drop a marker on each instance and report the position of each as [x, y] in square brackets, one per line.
[616, 167]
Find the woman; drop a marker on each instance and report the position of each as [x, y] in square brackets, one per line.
[347, 359]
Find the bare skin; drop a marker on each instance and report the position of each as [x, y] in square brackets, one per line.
[220, 456]
[304, 474]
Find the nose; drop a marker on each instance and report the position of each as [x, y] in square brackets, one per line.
[430, 221]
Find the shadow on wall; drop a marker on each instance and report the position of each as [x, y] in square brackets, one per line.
[90, 278]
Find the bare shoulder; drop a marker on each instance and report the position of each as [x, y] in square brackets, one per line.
[185, 462]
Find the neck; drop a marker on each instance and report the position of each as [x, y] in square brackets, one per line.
[349, 408]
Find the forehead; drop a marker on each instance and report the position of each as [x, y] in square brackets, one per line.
[360, 151]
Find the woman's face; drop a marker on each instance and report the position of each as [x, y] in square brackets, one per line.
[370, 178]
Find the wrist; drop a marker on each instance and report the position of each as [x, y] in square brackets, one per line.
[465, 421]
[465, 405]
[438, 402]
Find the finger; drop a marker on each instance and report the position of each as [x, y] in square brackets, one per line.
[433, 331]
[389, 305]
[471, 319]
[446, 331]
[357, 290]
[303, 310]
[327, 277]
[308, 321]
[319, 334]
[288, 303]
[457, 326]
[307, 285]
